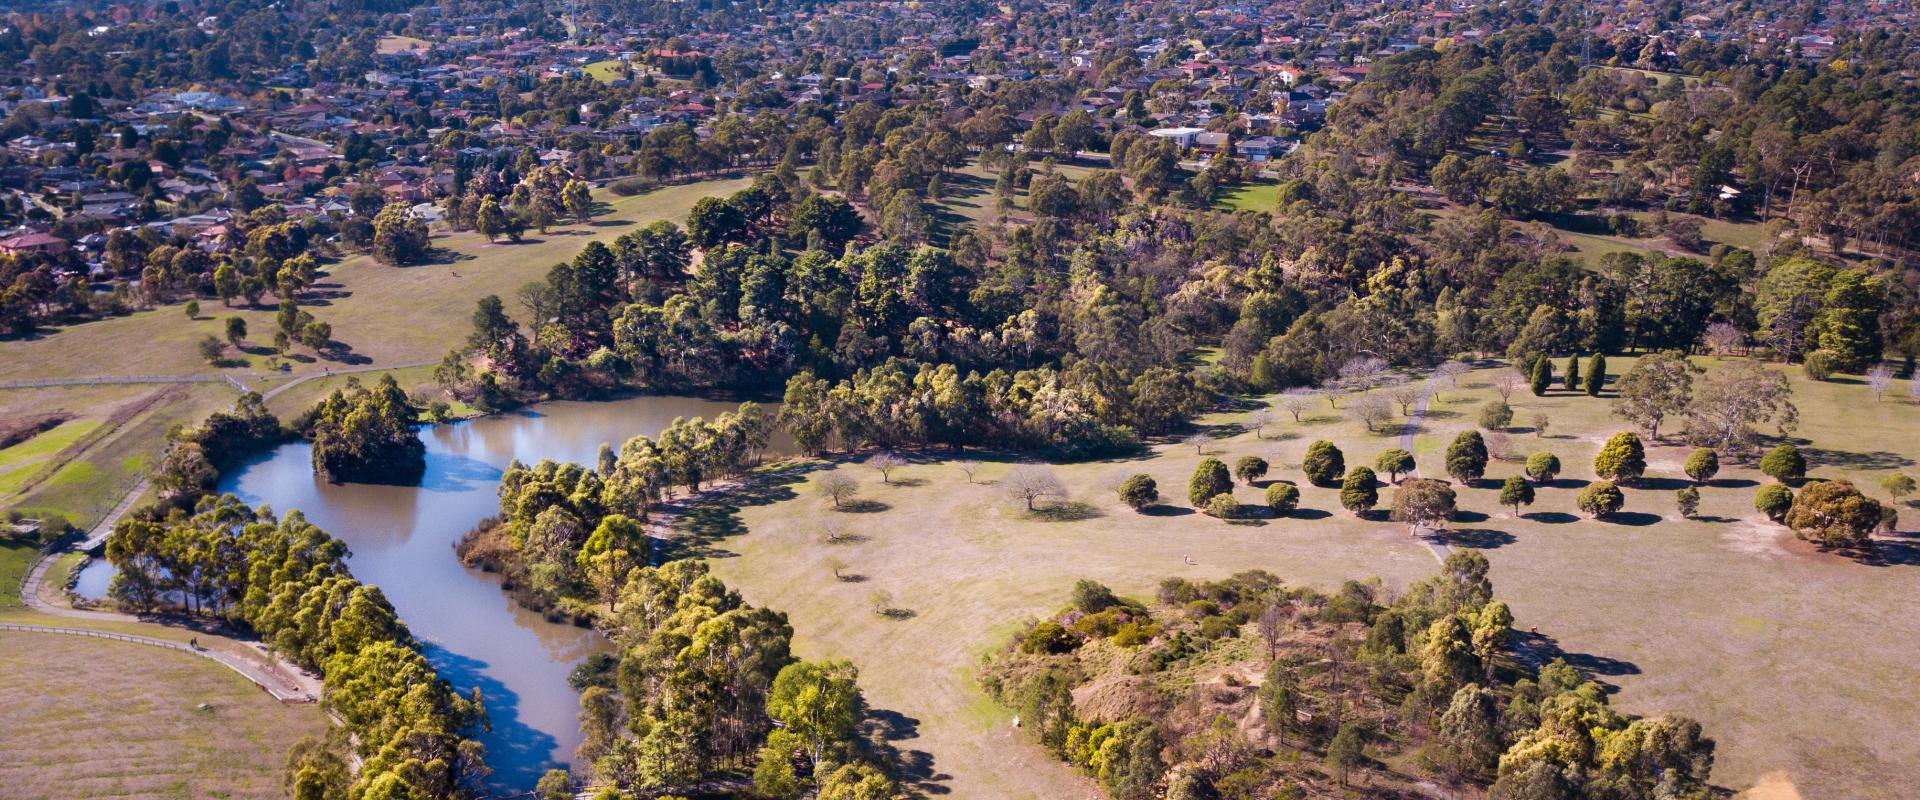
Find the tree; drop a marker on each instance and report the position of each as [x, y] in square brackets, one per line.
[1259, 420]
[1032, 482]
[1687, 499]
[398, 236]
[1599, 499]
[491, 219]
[1394, 462]
[556, 784]
[1199, 442]
[1467, 457]
[1347, 751]
[1358, 493]
[1506, 383]
[1424, 503]
[1572, 377]
[1730, 400]
[236, 330]
[1834, 514]
[617, 544]
[1279, 697]
[1250, 469]
[1223, 506]
[1879, 380]
[1543, 466]
[193, 309]
[1657, 387]
[578, 200]
[1139, 492]
[366, 435]
[840, 488]
[1496, 415]
[1596, 374]
[1373, 410]
[817, 701]
[212, 349]
[1296, 401]
[1323, 463]
[1283, 498]
[1702, 464]
[1784, 464]
[1621, 459]
[1540, 377]
[969, 467]
[1773, 500]
[1210, 478]
[1540, 422]
[1467, 741]
[885, 464]
[857, 782]
[1898, 485]
[1516, 492]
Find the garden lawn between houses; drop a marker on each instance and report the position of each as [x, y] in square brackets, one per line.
[1796, 661]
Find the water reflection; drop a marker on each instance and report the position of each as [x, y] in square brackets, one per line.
[402, 539]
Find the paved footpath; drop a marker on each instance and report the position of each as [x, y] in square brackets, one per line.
[1431, 539]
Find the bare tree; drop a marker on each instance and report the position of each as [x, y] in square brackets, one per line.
[885, 464]
[1723, 338]
[1540, 422]
[1259, 420]
[1880, 379]
[1363, 372]
[1506, 383]
[882, 602]
[1296, 401]
[1372, 409]
[1199, 442]
[1406, 395]
[832, 532]
[1273, 625]
[839, 567]
[968, 466]
[1499, 446]
[1451, 371]
[839, 487]
[1031, 482]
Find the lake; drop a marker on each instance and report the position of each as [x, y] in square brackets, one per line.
[402, 541]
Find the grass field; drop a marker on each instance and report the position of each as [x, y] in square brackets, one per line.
[1797, 662]
[390, 45]
[604, 71]
[91, 718]
[389, 316]
[1257, 196]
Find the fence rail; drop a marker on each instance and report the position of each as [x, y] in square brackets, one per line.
[282, 695]
[123, 379]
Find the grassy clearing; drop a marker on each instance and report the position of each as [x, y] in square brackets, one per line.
[16, 557]
[48, 443]
[1257, 196]
[390, 45]
[1727, 625]
[605, 71]
[126, 720]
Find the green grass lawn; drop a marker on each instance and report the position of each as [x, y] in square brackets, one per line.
[604, 71]
[16, 557]
[1257, 196]
[1723, 617]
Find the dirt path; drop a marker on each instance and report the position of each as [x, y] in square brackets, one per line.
[328, 373]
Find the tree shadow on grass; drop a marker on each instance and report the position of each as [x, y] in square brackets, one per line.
[1662, 484]
[1732, 483]
[1565, 483]
[1402, 429]
[1477, 538]
[906, 482]
[1539, 650]
[1164, 510]
[881, 732]
[701, 521]
[1552, 517]
[1469, 516]
[1068, 511]
[1892, 550]
[1635, 519]
[861, 506]
[1848, 459]
[1308, 514]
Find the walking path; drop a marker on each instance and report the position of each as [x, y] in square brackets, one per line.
[283, 688]
[277, 390]
[1434, 545]
[230, 380]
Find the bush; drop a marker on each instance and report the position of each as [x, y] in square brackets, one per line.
[1819, 365]
[1834, 514]
[1496, 415]
[1139, 491]
[1540, 377]
[1702, 465]
[1358, 493]
[1048, 638]
[1091, 597]
[1223, 506]
[1283, 498]
[1622, 458]
[1600, 498]
[1773, 500]
[1543, 466]
[1688, 501]
[1784, 464]
[1596, 375]
[1323, 464]
[1209, 478]
[1467, 457]
[628, 187]
[1250, 468]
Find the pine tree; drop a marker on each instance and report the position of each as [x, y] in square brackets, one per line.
[1573, 373]
[1596, 375]
[1542, 375]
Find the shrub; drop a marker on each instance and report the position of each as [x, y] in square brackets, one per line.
[1773, 500]
[1209, 478]
[1283, 498]
[1323, 464]
[1784, 464]
[1139, 491]
[1819, 365]
[1092, 597]
[1223, 506]
[1600, 498]
[1572, 377]
[1467, 457]
[1596, 375]
[1543, 466]
[1702, 464]
[1048, 638]
[1496, 415]
[628, 187]
[1622, 458]
[1357, 492]
[1834, 514]
[1688, 501]
[1250, 468]
[1540, 377]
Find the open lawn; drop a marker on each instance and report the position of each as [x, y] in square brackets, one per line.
[93, 718]
[390, 45]
[1797, 662]
[605, 71]
[1258, 196]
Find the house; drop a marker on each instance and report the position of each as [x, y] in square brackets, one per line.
[34, 244]
[1181, 137]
